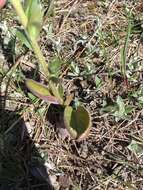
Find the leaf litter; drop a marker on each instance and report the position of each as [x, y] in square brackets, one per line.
[111, 158]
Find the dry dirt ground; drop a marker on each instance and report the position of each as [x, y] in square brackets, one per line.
[100, 42]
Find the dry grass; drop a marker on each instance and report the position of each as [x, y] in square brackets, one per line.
[90, 35]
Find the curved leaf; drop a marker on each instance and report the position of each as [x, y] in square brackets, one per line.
[56, 91]
[41, 91]
[21, 35]
[77, 122]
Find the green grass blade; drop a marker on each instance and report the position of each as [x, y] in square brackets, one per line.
[125, 48]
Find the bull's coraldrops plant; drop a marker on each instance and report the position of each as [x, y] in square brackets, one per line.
[77, 120]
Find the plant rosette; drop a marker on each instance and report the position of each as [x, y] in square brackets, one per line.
[77, 121]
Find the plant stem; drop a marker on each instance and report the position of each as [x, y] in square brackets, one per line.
[125, 48]
[24, 21]
[39, 56]
[20, 12]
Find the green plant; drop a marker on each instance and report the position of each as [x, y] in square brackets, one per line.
[30, 16]
[118, 109]
[124, 50]
[77, 120]
[136, 147]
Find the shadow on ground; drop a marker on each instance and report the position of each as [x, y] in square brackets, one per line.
[21, 166]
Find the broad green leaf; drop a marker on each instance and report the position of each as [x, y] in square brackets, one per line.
[35, 17]
[41, 91]
[136, 147]
[77, 122]
[121, 105]
[61, 90]
[98, 81]
[129, 109]
[54, 66]
[21, 35]
[109, 108]
[123, 110]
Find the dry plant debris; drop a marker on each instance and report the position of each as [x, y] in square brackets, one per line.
[89, 37]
